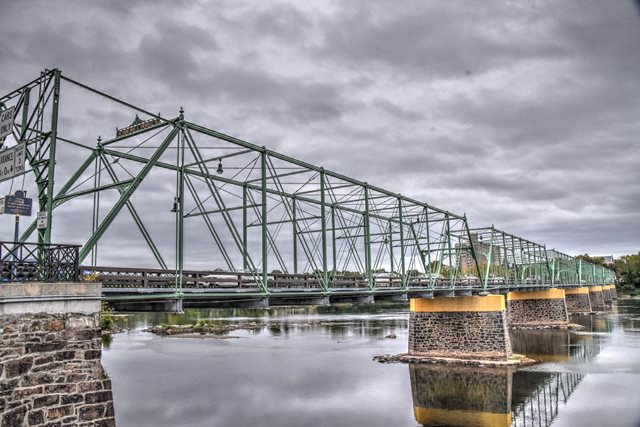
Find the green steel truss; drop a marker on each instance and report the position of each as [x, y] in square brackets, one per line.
[266, 213]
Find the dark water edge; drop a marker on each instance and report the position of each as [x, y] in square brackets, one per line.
[313, 366]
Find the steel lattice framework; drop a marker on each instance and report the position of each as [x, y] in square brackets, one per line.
[267, 213]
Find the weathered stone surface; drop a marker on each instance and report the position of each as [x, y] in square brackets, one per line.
[529, 312]
[597, 300]
[465, 335]
[578, 303]
[50, 371]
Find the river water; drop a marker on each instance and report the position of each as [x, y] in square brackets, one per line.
[313, 366]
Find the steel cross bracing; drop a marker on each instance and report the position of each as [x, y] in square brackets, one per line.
[275, 223]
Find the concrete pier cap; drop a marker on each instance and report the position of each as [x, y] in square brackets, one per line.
[468, 327]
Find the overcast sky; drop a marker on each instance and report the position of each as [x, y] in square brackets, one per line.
[521, 114]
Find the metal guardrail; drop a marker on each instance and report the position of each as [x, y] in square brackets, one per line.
[38, 262]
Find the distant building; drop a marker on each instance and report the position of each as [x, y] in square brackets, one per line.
[608, 259]
[482, 250]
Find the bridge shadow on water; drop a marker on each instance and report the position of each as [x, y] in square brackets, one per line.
[472, 396]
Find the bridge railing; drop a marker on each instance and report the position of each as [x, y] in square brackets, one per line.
[229, 281]
[38, 262]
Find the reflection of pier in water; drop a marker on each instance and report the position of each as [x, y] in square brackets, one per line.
[471, 396]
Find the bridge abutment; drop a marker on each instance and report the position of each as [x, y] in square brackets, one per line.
[50, 370]
[460, 327]
[597, 299]
[537, 308]
[607, 296]
[578, 300]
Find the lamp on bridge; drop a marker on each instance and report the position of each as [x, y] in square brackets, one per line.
[219, 170]
[174, 209]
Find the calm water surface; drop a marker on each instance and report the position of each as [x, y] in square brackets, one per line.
[313, 367]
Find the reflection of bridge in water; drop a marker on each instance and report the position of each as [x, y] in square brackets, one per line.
[472, 396]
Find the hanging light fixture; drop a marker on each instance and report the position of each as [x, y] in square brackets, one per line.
[175, 205]
[219, 170]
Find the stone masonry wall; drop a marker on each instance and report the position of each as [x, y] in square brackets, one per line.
[465, 335]
[606, 296]
[597, 300]
[529, 312]
[50, 372]
[578, 303]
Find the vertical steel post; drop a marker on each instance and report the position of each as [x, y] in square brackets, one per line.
[294, 220]
[451, 272]
[402, 248]
[180, 150]
[333, 239]
[580, 271]
[25, 115]
[391, 248]
[245, 249]
[263, 181]
[46, 236]
[323, 219]
[96, 202]
[489, 260]
[432, 279]
[367, 238]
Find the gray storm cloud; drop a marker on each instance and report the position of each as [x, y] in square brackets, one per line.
[522, 115]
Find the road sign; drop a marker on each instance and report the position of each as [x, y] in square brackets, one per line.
[6, 121]
[18, 204]
[41, 220]
[12, 162]
[18, 159]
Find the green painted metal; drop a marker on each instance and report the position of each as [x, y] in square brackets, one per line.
[372, 230]
[263, 218]
[108, 219]
[46, 235]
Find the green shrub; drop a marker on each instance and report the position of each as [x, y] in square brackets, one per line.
[106, 323]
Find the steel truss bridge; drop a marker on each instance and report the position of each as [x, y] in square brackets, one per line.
[265, 225]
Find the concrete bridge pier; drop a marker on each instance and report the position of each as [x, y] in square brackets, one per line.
[460, 327]
[578, 300]
[606, 294]
[597, 299]
[614, 292]
[537, 308]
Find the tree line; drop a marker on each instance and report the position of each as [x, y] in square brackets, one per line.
[627, 269]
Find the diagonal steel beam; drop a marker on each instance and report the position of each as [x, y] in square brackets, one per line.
[126, 195]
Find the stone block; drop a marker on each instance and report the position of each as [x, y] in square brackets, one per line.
[537, 308]
[459, 327]
[578, 300]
